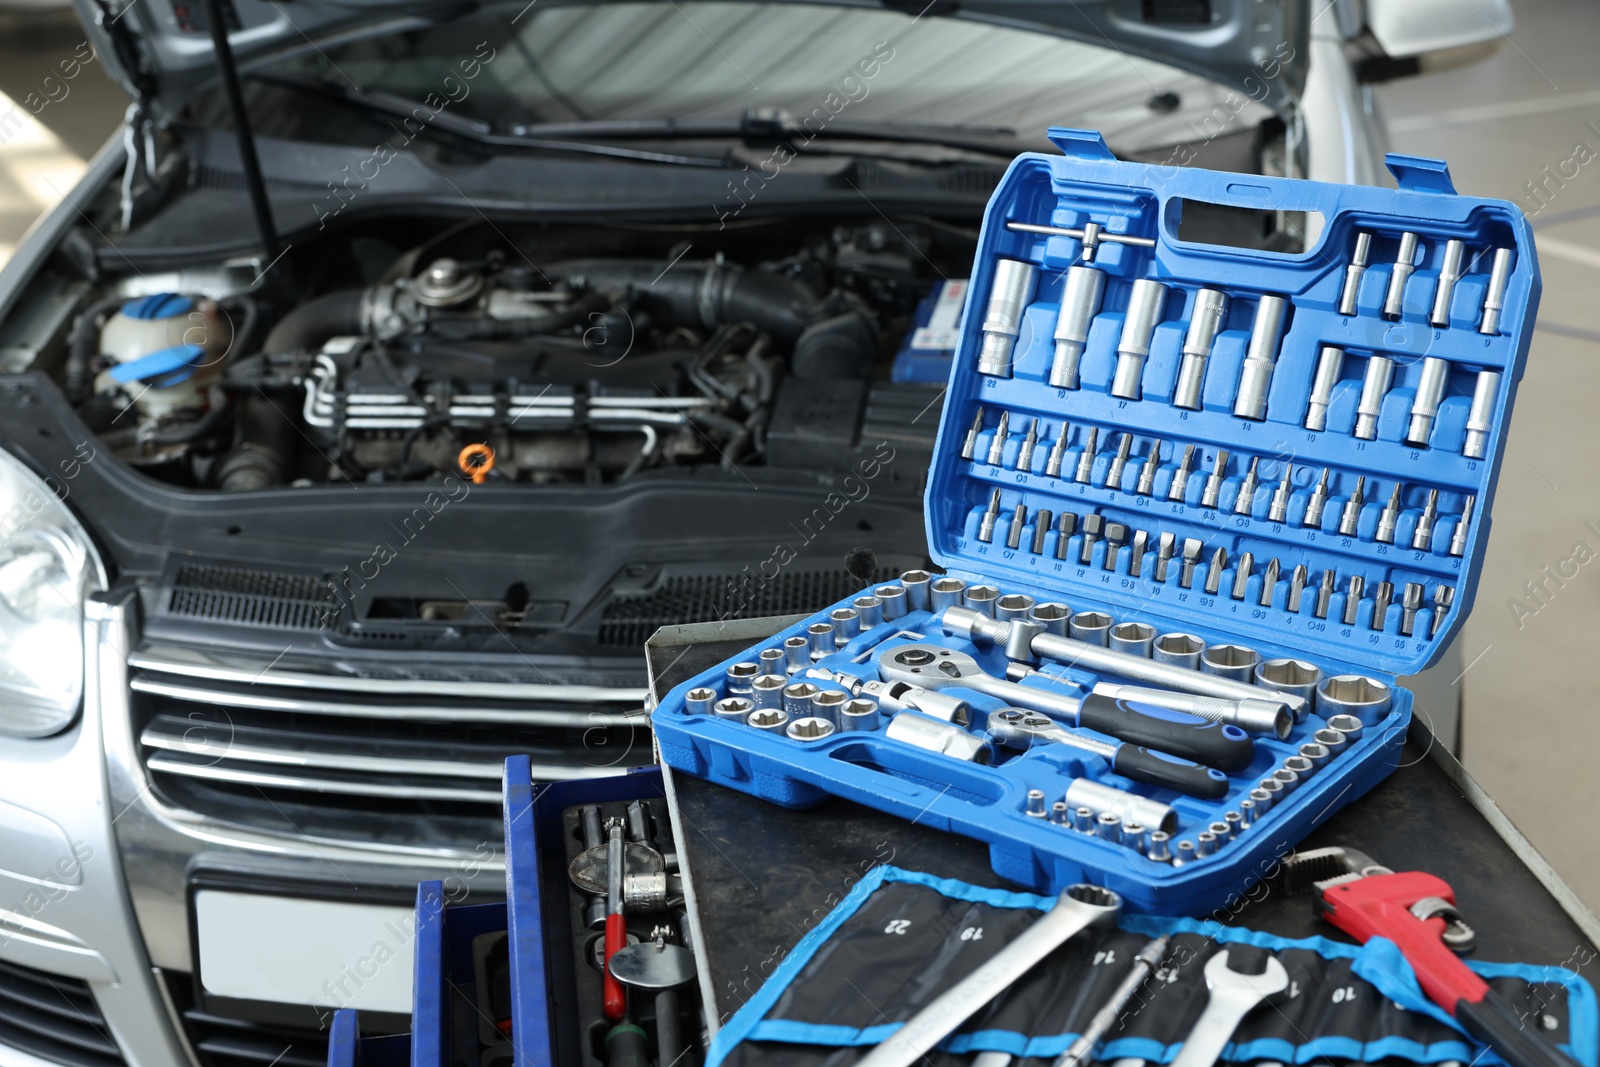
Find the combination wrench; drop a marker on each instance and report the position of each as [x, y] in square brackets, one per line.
[1233, 996]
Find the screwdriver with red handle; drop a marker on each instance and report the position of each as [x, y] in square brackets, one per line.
[616, 1001]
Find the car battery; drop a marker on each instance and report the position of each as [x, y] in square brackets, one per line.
[1196, 507]
[930, 346]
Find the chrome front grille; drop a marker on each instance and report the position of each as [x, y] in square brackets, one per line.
[419, 759]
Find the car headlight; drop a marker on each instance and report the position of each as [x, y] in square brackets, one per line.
[47, 567]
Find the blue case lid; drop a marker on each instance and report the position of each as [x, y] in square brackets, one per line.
[1089, 185]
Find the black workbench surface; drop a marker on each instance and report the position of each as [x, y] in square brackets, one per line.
[764, 875]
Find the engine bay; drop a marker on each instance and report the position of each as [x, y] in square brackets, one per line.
[406, 350]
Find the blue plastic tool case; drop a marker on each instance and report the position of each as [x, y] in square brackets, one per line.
[1087, 184]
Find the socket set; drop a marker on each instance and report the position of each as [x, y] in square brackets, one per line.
[1197, 508]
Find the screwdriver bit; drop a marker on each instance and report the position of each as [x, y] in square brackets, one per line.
[1086, 461]
[1350, 517]
[990, 516]
[1091, 528]
[1318, 501]
[1213, 489]
[969, 447]
[1191, 558]
[1029, 441]
[1180, 480]
[1324, 594]
[1052, 463]
[1352, 598]
[1014, 530]
[1141, 544]
[997, 447]
[1443, 597]
[1380, 605]
[1241, 577]
[1297, 585]
[1269, 583]
[1116, 537]
[1147, 474]
[1246, 499]
[1410, 604]
[1390, 516]
[1041, 528]
[1278, 510]
[1119, 463]
[1422, 539]
[1066, 526]
[1219, 563]
[1458, 537]
[1165, 544]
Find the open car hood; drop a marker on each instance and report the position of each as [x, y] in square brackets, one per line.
[160, 50]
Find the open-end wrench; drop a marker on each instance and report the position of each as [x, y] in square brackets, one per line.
[1076, 909]
[1015, 728]
[1226, 748]
[1233, 996]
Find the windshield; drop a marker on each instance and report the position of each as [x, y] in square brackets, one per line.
[524, 65]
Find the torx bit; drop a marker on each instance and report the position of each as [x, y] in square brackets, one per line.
[1025, 453]
[1180, 480]
[969, 447]
[1297, 586]
[1147, 473]
[1052, 463]
[1278, 510]
[1330, 363]
[1480, 416]
[1494, 297]
[1219, 563]
[1404, 264]
[1449, 273]
[1458, 537]
[990, 516]
[1374, 387]
[1443, 597]
[1019, 517]
[1091, 528]
[1269, 582]
[1353, 272]
[1241, 575]
[1324, 594]
[1141, 544]
[1350, 517]
[1352, 598]
[1213, 488]
[1165, 544]
[1116, 537]
[1380, 605]
[1422, 539]
[1191, 558]
[1318, 501]
[1066, 526]
[1246, 499]
[1410, 604]
[1086, 461]
[1119, 464]
[997, 447]
[1041, 528]
[1389, 517]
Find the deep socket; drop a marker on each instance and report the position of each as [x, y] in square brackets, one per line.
[1133, 348]
[1374, 387]
[1081, 294]
[1213, 487]
[1260, 357]
[969, 446]
[1494, 297]
[1480, 417]
[1394, 298]
[1246, 500]
[1458, 536]
[1205, 322]
[1350, 517]
[1449, 274]
[1086, 461]
[1353, 272]
[1008, 298]
[1425, 405]
[997, 447]
[1330, 363]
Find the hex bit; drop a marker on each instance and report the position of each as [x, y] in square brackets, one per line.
[1014, 531]
[1086, 461]
[1458, 537]
[1066, 526]
[1116, 535]
[1041, 529]
[1091, 528]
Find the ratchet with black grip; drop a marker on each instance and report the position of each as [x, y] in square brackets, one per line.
[1016, 728]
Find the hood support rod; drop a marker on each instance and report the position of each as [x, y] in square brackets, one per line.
[248, 159]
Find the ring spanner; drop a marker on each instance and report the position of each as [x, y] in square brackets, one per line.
[1233, 996]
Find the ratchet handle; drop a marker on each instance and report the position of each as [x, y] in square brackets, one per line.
[1177, 733]
[616, 1001]
[1154, 768]
[1496, 1023]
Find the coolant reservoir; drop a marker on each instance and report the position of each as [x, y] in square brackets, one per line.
[168, 348]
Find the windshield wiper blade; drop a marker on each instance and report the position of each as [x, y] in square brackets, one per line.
[471, 129]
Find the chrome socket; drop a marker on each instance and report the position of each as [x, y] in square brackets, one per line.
[1052, 616]
[1135, 836]
[944, 592]
[736, 709]
[1289, 780]
[846, 625]
[1221, 831]
[934, 735]
[870, 611]
[767, 690]
[1247, 815]
[1008, 299]
[1205, 843]
[739, 676]
[1274, 790]
[859, 716]
[1134, 638]
[1349, 725]
[1180, 650]
[1404, 264]
[1081, 294]
[1059, 814]
[1205, 322]
[809, 729]
[820, 634]
[1316, 754]
[1091, 626]
[826, 704]
[772, 720]
[1425, 405]
[1333, 741]
[1230, 661]
[1480, 417]
[916, 584]
[1138, 327]
[1260, 358]
[1083, 819]
[772, 661]
[1294, 676]
[1109, 826]
[1186, 853]
[1034, 807]
[1330, 362]
[1374, 387]
[1494, 297]
[1262, 798]
[797, 699]
[980, 598]
[1300, 765]
[699, 701]
[1449, 274]
[1234, 821]
[1012, 606]
[892, 599]
[1160, 848]
[1365, 699]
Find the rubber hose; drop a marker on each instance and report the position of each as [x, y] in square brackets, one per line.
[83, 344]
[305, 328]
[706, 294]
